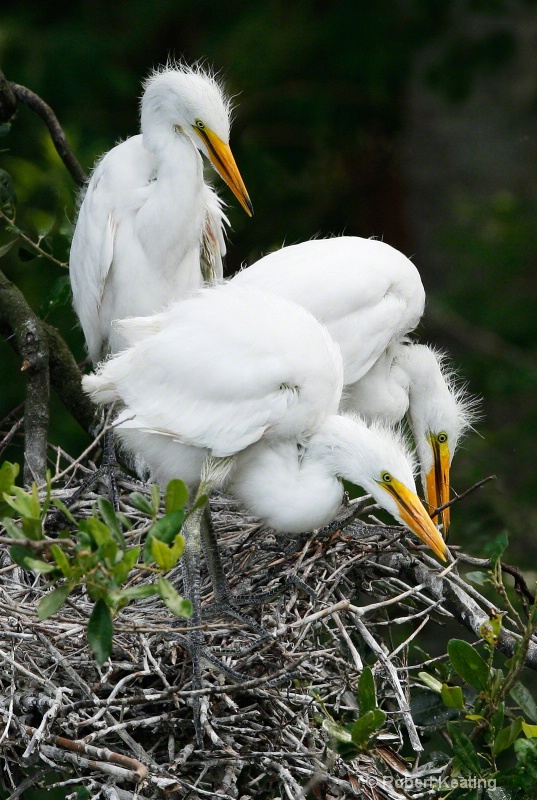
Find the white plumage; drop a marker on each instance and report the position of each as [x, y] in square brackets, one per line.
[149, 229]
[370, 297]
[237, 372]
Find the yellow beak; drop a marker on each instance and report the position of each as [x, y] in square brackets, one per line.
[437, 482]
[224, 163]
[413, 513]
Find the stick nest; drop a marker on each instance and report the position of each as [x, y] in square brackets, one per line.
[355, 593]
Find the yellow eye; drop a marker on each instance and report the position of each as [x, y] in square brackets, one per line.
[442, 437]
[386, 477]
[199, 124]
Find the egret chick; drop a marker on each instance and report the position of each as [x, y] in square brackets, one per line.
[237, 372]
[370, 297]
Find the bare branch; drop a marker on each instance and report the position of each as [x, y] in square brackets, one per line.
[35, 103]
[44, 344]
[31, 343]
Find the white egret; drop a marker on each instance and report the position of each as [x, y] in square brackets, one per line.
[149, 229]
[238, 372]
[370, 297]
[240, 386]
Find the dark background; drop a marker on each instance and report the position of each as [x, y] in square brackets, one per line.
[414, 121]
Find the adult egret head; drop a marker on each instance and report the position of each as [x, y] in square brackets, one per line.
[150, 229]
[242, 373]
[181, 101]
[440, 413]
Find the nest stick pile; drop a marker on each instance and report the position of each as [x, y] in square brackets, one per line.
[352, 594]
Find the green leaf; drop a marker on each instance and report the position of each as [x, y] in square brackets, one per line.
[141, 503]
[164, 529]
[497, 718]
[20, 501]
[431, 682]
[4, 250]
[59, 295]
[524, 699]
[36, 565]
[530, 731]
[464, 749]
[367, 698]
[61, 560]
[155, 499]
[491, 629]
[452, 696]
[8, 475]
[366, 726]
[495, 549]
[19, 554]
[507, 736]
[140, 592]
[100, 631]
[65, 511]
[106, 510]
[428, 710]
[176, 496]
[162, 554]
[468, 663]
[32, 528]
[200, 501]
[13, 529]
[52, 601]
[177, 604]
[98, 531]
[167, 557]
[336, 731]
[122, 569]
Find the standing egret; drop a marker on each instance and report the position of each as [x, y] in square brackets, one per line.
[370, 297]
[149, 229]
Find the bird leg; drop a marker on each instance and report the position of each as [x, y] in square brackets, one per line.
[191, 587]
[225, 602]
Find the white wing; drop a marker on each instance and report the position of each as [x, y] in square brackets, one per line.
[274, 372]
[367, 293]
[116, 180]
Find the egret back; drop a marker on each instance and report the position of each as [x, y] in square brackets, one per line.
[368, 294]
[223, 369]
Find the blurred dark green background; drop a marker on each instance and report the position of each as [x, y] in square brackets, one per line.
[410, 120]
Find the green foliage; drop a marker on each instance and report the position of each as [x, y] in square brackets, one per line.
[98, 556]
[483, 728]
[351, 739]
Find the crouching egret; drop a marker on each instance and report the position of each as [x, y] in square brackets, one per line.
[233, 371]
[149, 229]
[370, 297]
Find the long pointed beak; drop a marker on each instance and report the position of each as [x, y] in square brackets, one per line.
[437, 482]
[415, 517]
[224, 163]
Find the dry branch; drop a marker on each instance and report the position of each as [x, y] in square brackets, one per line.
[13, 93]
[41, 348]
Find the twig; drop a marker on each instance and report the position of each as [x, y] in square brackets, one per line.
[462, 495]
[35, 103]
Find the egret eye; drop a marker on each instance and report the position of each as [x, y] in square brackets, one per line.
[442, 437]
[386, 477]
[199, 124]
